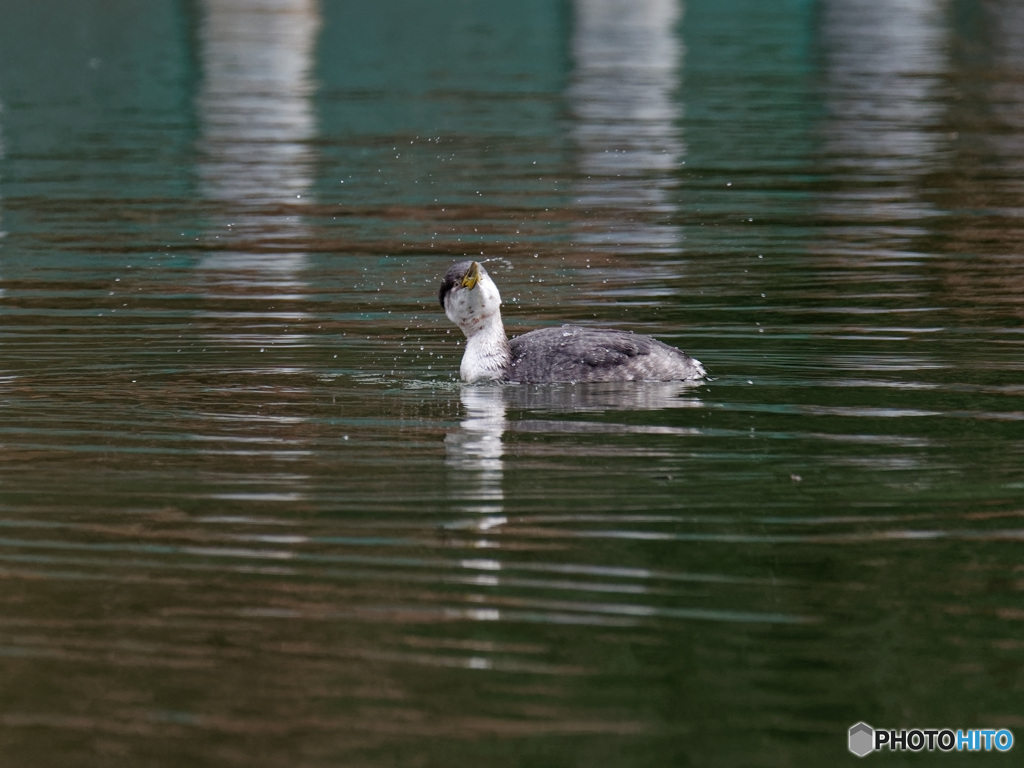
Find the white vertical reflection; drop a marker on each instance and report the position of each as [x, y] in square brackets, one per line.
[256, 163]
[884, 65]
[627, 56]
[256, 122]
[474, 458]
[255, 168]
[255, 103]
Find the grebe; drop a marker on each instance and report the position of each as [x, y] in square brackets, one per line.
[567, 354]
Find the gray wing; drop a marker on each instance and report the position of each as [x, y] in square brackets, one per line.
[573, 353]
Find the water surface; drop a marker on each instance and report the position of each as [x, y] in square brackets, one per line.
[249, 517]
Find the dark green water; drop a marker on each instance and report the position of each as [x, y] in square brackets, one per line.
[248, 517]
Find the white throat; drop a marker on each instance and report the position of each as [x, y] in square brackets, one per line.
[487, 354]
[475, 306]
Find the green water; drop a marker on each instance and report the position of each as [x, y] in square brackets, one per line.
[249, 517]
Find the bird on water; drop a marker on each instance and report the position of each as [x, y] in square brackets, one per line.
[570, 353]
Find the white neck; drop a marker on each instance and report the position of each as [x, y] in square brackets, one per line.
[487, 354]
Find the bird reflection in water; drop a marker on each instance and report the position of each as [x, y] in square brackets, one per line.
[475, 451]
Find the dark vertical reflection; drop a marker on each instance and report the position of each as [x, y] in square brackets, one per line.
[2, 232]
[982, 188]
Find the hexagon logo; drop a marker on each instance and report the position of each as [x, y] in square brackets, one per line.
[862, 739]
